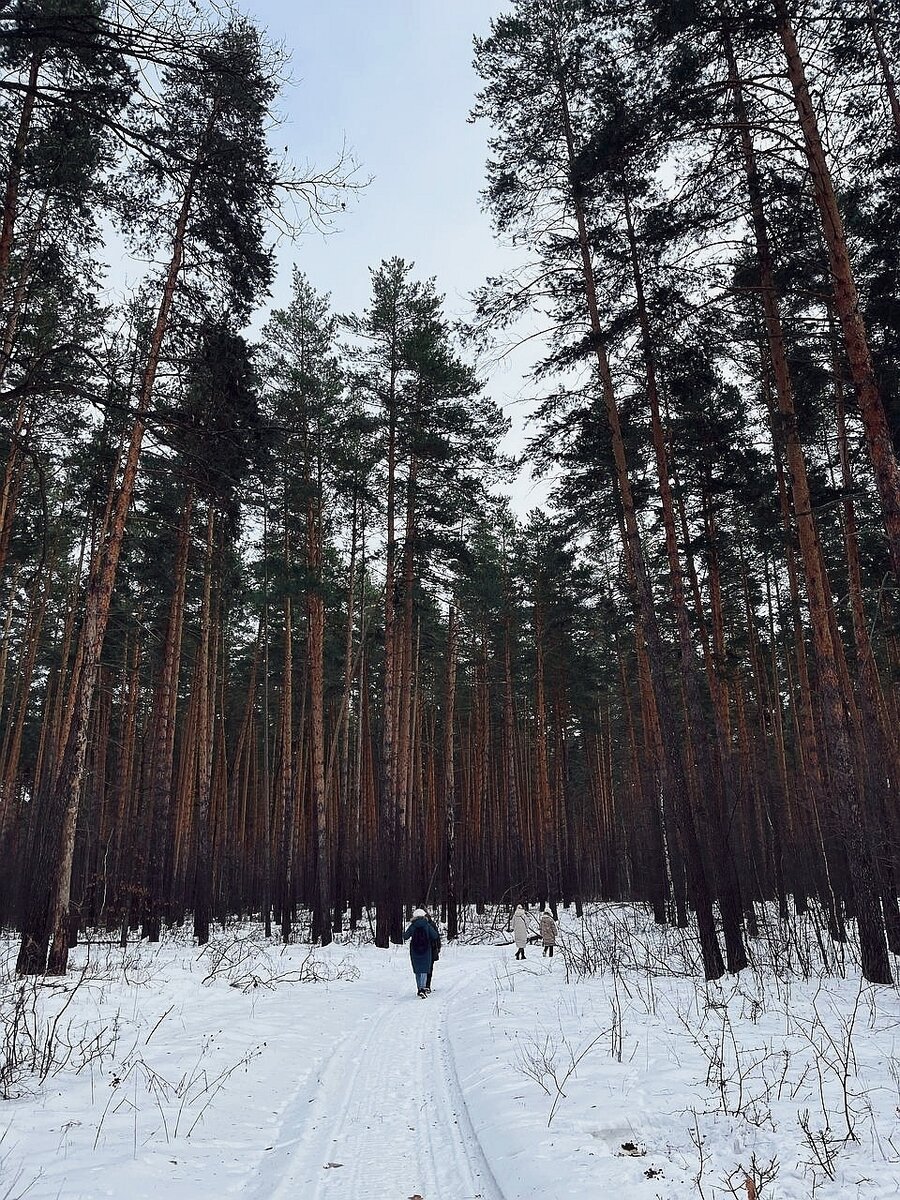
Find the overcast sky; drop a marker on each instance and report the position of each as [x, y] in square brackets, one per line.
[394, 79]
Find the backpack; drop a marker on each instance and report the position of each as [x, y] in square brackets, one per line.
[419, 943]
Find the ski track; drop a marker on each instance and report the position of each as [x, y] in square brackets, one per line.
[384, 1117]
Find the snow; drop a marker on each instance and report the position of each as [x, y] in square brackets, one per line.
[247, 1069]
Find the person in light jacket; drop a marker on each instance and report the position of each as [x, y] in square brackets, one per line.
[435, 948]
[548, 932]
[520, 930]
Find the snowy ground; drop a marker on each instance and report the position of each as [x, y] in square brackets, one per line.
[254, 1071]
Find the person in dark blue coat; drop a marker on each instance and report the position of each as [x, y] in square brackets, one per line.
[422, 937]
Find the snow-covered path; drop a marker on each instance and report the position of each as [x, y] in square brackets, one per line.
[384, 1117]
[251, 1071]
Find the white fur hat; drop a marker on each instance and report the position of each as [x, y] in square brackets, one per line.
[419, 912]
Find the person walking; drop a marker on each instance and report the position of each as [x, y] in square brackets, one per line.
[548, 932]
[520, 930]
[421, 936]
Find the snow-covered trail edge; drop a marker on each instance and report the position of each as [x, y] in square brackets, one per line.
[217, 1074]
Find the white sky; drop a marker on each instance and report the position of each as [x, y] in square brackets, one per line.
[394, 79]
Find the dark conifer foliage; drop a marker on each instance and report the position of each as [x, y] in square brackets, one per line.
[642, 155]
[272, 643]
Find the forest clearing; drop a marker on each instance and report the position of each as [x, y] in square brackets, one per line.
[265, 1072]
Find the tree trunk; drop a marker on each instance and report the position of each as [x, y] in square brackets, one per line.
[450, 778]
[388, 906]
[162, 756]
[48, 904]
[645, 615]
[844, 779]
[205, 718]
[846, 299]
[712, 772]
[890, 84]
[16, 160]
[316, 651]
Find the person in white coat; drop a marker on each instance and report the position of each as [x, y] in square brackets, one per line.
[520, 931]
[548, 932]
